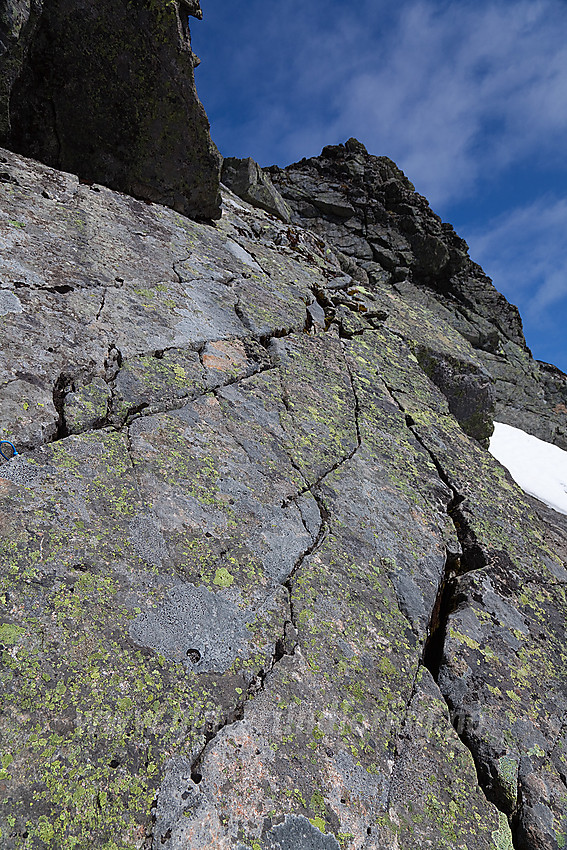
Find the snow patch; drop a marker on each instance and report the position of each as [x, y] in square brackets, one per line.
[539, 468]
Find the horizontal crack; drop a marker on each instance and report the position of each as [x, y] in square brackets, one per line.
[181, 402]
[63, 288]
[140, 411]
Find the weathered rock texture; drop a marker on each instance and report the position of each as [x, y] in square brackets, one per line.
[262, 586]
[366, 207]
[106, 90]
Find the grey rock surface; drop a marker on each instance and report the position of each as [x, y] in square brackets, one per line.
[107, 90]
[262, 585]
[247, 180]
[367, 208]
[194, 626]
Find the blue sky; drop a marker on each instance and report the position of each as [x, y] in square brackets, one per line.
[469, 99]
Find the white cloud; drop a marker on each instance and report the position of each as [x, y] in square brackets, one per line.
[459, 90]
[459, 93]
[452, 91]
[525, 252]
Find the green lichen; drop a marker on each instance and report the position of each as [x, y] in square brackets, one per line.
[10, 633]
[223, 578]
[502, 837]
[507, 779]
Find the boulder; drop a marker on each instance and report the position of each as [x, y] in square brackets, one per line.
[252, 184]
[260, 588]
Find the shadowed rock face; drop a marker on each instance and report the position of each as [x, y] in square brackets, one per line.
[18, 19]
[106, 90]
[259, 587]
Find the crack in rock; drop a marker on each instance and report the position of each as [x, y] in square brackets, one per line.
[285, 645]
[113, 365]
[102, 303]
[472, 559]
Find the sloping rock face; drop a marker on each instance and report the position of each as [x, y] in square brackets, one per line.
[107, 90]
[366, 207]
[250, 182]
[260, 587]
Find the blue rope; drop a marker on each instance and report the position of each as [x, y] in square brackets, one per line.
[7, 443]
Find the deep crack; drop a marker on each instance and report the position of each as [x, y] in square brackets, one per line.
[59, 393]
[102, 303]
[472, 558]
[355, 396]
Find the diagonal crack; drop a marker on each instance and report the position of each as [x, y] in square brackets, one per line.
[174, 267]
[310, 486]
[397, 754]
[317, 543]
[283, 643]
[102, 303]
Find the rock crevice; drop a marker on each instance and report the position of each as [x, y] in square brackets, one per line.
[261, 582]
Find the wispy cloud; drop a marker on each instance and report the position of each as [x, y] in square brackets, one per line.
[453, 91]
[462, 90]
[469, 97]
[525, 252]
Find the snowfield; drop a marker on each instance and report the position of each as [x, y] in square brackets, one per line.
[538, 467]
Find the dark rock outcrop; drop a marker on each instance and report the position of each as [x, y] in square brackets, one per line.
[260, 587]
[18, 19]
[106, 90]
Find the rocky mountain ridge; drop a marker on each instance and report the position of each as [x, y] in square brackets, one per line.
[263, 586]
[366, 207]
